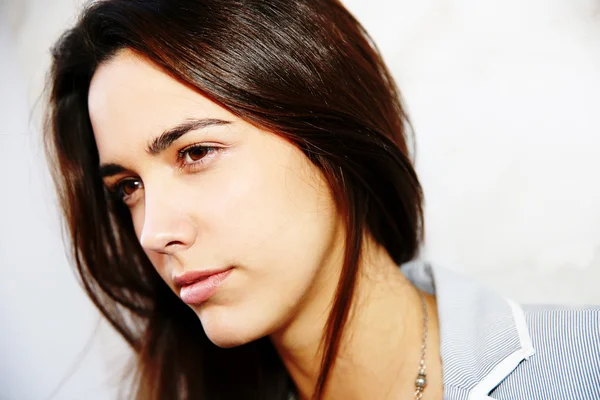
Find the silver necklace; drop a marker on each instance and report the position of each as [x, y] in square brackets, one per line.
[421, 380]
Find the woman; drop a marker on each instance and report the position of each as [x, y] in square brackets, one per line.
[239, 196]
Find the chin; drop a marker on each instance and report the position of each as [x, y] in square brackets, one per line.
[226, 330]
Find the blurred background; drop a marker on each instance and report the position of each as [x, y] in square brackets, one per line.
[504, 97]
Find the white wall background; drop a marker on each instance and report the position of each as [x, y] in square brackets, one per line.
[505, 101]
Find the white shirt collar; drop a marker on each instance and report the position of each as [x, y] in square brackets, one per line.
[483, 336]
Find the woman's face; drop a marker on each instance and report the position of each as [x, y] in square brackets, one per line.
[246, 201]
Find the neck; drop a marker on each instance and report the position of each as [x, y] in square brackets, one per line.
[380, 349]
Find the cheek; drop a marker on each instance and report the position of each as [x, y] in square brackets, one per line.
[137, 218]
[277, 227]
[274, 216]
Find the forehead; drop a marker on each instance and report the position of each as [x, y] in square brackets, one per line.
[131, 100]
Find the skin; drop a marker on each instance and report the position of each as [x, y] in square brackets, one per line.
[257, 205]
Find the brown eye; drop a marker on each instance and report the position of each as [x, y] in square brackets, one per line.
[127, 187]
[130, 186]
[196, 153]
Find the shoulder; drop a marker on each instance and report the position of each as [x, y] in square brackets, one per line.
[566, 362]
[569, 325]
[494, 348]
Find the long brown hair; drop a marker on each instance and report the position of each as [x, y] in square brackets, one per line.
[304, 69]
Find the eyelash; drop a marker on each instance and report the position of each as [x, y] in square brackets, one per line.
[117, 188]
[194, 165]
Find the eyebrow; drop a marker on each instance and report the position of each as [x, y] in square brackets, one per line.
[111, 169]
[165, 140]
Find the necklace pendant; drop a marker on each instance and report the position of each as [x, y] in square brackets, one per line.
[421, 381]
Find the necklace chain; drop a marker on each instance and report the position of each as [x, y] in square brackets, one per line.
[421, 380]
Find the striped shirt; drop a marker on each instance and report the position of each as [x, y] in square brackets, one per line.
[493, 348]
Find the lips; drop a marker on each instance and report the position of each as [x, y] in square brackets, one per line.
[196, 287]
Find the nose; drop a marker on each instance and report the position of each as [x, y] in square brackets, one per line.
[167, 228]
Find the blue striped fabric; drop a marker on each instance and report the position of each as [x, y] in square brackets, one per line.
[567, 362]
[493, 348]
